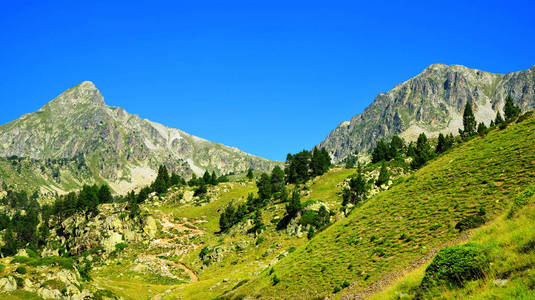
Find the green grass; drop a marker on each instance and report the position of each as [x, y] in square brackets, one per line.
[426, 206]
[510, 244]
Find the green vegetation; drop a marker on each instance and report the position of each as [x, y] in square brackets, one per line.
[483, 172]
[499, 263]
[469, 121]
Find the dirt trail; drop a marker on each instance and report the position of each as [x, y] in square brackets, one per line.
[177, 243]
[391, 278]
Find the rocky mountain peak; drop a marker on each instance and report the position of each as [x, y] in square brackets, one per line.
[83, 93]
[431, 102]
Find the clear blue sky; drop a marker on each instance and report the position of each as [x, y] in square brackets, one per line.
[269, 77]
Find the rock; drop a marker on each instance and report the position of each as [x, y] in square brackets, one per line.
[114, 239]
[8, 284]
[22, 252]
[500, 282]
[431, 102]
[49, 293]
[150, 227]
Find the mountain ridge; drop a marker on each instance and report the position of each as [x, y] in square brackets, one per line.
[120, 148]
[430, 102]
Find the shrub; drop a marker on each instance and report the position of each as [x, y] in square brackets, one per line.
[21, 270]
[276, 279]
[345, 284]
[472, 221]
[32, 253]
[454, 265]
[336, 289]
[520, 201]
[120, 246]
[259, 240]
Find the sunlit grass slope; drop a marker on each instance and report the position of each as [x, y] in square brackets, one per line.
[396, 227]
[510, 247]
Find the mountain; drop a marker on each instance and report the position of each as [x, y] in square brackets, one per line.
[77, 138]
[431, 102]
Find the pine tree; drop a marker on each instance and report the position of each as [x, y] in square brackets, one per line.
[264, 187]
[193, 181]
[469, 121]
[164, 174]
[422, 152]
[250, 174]
[104, 194]
[213, 179]
[294, 205]
[499, 119]
[441, 144]
[227, 218]
[380, 152]
[10, 243]
[277, 182]
[175, 179]
[481, 129]
[510, 110]
[384, 175]
[207, 178]
[396, 147]
[258, 224]
[159, 185]
[357, 190]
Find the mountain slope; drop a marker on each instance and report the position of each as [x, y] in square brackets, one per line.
[509, 243]
[117, 147]
[431, 102]
[395, 228]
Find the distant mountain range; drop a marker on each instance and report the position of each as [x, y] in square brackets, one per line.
[77, 139]
[431, 102]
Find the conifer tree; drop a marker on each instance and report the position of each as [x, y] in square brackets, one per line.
[481, 129]
[380, 152]
[422, 152]
[441, 144]
[207, 178]
[213, 179]
[264, 187]
[384, 175]
[104, 194]
[510, 110]
[396, 147]
[469, 121]
[250, 174]
[294, 205]
[277, 182]
[164, 174]
[499, 119]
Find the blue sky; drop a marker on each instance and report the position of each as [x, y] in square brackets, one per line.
[269, 77]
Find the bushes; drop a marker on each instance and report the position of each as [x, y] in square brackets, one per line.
[276, 279]
[520, 201]
[472, 221]
[21, 270]
[454, 265]
[120, 246]
[63, 262]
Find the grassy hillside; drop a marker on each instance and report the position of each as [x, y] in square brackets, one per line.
[245, 254]
[392, 230]
[509, 243]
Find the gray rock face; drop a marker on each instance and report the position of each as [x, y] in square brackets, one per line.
[432, 102]
[122, 149]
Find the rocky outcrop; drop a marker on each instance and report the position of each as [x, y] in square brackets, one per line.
[110, 144]
[431, 102]
[112, 226]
